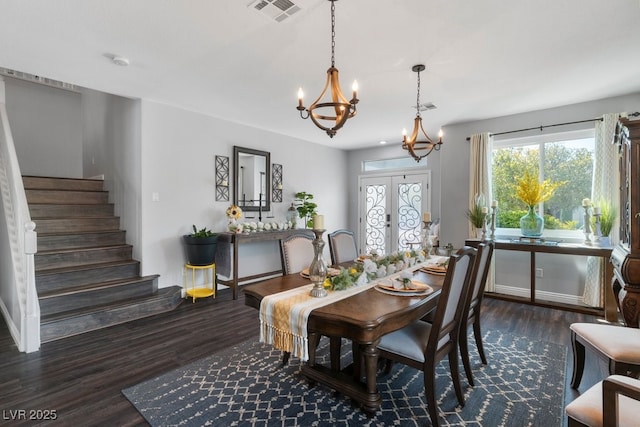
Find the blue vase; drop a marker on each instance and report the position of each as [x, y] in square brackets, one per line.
[531, 224]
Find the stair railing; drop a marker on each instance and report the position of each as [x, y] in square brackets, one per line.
[18, 244]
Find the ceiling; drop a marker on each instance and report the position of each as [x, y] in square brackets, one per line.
[484, 59]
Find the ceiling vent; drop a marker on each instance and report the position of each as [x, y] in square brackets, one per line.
[427, 106]
[39, 79]
[278, 10]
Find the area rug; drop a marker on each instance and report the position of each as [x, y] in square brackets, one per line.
[522, 385]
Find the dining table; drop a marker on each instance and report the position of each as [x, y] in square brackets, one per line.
[362, 318]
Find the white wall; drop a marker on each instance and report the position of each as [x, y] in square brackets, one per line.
[45, 123]
[178, 163]
[111, 148]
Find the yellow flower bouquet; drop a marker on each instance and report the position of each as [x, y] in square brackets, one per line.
[531, 191]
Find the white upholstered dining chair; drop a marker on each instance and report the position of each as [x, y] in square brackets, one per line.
[422, 345]
[614, 402]
[296, 252]
[342, 246]
[619, 346]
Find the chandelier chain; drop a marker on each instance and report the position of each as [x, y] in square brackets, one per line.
[418, 97]
[333, 33]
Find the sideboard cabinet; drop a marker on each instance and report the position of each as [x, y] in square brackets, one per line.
[626, 255]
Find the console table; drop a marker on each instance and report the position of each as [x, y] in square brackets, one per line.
[236, 239]
[609, 311]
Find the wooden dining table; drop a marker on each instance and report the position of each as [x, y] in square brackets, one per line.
[363, 319]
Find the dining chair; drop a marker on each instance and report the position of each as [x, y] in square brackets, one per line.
[422, 345]
[610, 403]
[342, 246]
[481, 268]
[296, 253]
[619, 346]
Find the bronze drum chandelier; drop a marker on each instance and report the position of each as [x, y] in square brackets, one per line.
[419, 149]
[337, 110]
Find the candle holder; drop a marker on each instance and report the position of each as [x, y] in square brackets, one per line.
[587, 225]
[492, 236]
[427, 244]
[484, 227]
[318, 268]
[597, 233]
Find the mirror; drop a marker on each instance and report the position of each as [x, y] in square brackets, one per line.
[251, 175]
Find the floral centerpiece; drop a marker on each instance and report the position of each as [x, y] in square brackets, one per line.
[372, 267]
[234, 213]
[531, 192]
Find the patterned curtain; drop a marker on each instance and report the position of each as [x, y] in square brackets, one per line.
[605, 184]
[481, 148]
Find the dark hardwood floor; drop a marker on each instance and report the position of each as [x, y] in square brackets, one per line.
[80, 378]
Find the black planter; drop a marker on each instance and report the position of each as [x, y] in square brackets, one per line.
[201, 250]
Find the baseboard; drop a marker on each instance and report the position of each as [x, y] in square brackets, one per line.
[540, 295]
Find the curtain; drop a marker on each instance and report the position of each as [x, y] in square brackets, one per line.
[604, 187]
[481, 148]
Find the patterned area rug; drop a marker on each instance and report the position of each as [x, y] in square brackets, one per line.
[523, 385]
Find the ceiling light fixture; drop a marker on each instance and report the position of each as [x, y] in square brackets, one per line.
[412, 143]
[342, 109]
[120, 60]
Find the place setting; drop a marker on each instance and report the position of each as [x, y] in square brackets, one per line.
[403, 287]
[331, 272]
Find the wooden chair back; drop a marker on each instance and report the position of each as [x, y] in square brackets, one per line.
[296, 253]
[342, 246]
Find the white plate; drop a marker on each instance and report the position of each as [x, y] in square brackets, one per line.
[403, 292]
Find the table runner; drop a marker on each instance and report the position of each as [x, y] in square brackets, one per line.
[283, 316]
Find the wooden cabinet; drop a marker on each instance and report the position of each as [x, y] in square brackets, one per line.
[626, 255]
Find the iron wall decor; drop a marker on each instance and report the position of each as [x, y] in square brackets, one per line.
[277, 183]
[222, 178]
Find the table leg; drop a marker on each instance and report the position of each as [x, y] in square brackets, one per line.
[234, 279]
[372, 401]
[334, 348]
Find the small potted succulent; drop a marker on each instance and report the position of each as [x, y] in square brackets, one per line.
[201, 246]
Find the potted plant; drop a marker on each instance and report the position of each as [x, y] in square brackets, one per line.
[476, 215]
[608, 216]
[306, 209]
[201, 246]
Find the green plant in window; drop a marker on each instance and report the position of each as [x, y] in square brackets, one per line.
[475, 214]
[608, 216]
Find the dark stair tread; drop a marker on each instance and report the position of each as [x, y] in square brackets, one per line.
[82, 249]
[72, 218]
[160, 294]
[95, 286]
[77, 233]
[85, 267]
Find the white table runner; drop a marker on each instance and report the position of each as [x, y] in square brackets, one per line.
[284, 316]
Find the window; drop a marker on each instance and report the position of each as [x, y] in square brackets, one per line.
[401, 163]
[566, 157]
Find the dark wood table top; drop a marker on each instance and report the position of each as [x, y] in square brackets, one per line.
[363, 317]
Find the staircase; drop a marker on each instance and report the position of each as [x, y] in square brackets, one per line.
[85, 276]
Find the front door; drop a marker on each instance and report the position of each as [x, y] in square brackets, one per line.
[391, 209]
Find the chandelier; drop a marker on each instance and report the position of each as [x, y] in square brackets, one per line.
[412, 143]
[335, 112]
